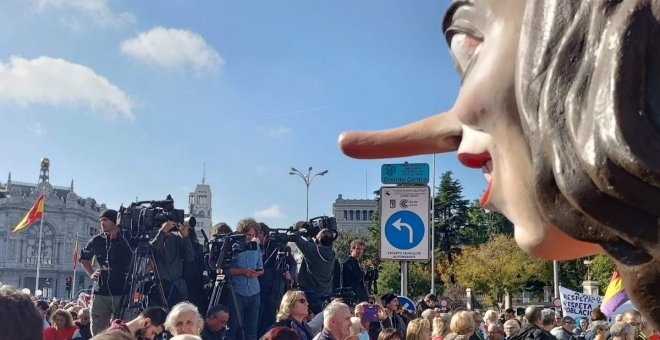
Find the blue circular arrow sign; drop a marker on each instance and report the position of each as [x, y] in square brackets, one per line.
[404, 230]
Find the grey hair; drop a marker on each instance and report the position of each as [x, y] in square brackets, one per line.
[428, 314]
[331, 310]
[547, 317]
[512, 322]
[621, 329]
[600, 324]
[179, 308]
[246, 224]
[489, 313]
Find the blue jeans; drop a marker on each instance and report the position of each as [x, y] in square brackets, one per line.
[248, 309]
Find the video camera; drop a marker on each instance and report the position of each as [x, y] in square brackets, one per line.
[145, 216]
[223, 247]
[311, 229]
[283, 236]
[346, 294]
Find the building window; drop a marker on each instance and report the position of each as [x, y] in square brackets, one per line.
[357, 215]
[345, 215]
[201, 199]
[350, 215]
[201, 213]
[47, 246]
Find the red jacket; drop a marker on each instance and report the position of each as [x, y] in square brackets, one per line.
[52, 333]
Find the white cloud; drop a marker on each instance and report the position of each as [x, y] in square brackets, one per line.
[58, 82]
[88, 12]
[272, 212]
[35, 129]
[276, 131]
[172, 48]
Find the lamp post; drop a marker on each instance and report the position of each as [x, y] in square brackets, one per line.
[308, 180]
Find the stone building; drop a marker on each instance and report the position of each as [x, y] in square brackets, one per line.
[353, 214]
[199, 206]
[65, 215]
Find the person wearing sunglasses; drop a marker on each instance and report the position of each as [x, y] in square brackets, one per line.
[293, 313]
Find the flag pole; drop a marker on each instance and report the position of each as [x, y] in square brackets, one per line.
[75, 267]
[41, 226]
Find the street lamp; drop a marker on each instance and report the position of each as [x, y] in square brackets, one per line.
[308, 180]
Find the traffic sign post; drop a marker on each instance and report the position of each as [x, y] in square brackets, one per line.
[406, 303]
[404, 173]
[404, 230]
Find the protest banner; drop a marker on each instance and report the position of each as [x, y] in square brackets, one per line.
[576, 304]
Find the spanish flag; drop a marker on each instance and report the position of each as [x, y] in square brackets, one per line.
[75, 254]
[615, 295]
[35, 213]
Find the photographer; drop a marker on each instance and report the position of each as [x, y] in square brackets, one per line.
[246, 268]
[315, 277]
[113, 256]
[272, 285]
[353, 273]
[172, 247]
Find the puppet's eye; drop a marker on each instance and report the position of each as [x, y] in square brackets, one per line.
[464, 50]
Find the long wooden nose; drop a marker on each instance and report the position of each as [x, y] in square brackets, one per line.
[435, 134]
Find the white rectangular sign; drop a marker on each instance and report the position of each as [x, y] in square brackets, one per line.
[404, 223]
[576, 304]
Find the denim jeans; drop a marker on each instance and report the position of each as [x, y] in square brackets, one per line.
[248, 309]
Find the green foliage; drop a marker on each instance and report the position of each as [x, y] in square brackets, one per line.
[419, 274]
[482, 225]
[601, 270]
[342, 247]
[572, 273]
[496, 265]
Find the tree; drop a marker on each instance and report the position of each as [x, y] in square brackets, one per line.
[482, 225]
[450, 215]
[342, 246]
[572, 273]
[496, 266]
[601, 269]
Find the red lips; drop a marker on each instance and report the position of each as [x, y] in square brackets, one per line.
[473, 160]
[476, 161]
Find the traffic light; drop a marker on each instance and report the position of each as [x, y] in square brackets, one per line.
[68, 283]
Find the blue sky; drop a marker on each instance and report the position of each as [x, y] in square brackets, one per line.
[130, 98]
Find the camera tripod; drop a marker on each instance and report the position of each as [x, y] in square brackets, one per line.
[222, 285]
[141, 281]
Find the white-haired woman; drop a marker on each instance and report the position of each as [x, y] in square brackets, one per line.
[184, 318]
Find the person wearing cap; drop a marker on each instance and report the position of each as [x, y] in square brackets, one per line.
[565, 331]
[113, 259]
[393, 320]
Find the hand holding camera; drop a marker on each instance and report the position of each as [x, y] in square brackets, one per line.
[169, 226]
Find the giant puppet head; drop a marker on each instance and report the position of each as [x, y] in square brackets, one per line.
[560, 108]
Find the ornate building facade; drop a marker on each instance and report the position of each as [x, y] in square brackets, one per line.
[353, 214]
[66, 215]
[199, 206]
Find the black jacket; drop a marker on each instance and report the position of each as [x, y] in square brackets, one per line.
[531, 332]
[301, 329]
[353, 276]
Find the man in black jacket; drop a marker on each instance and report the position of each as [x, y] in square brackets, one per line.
[353, 273]
[532, 329]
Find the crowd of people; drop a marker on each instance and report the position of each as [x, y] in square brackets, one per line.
[266, 297]
[25, 318]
